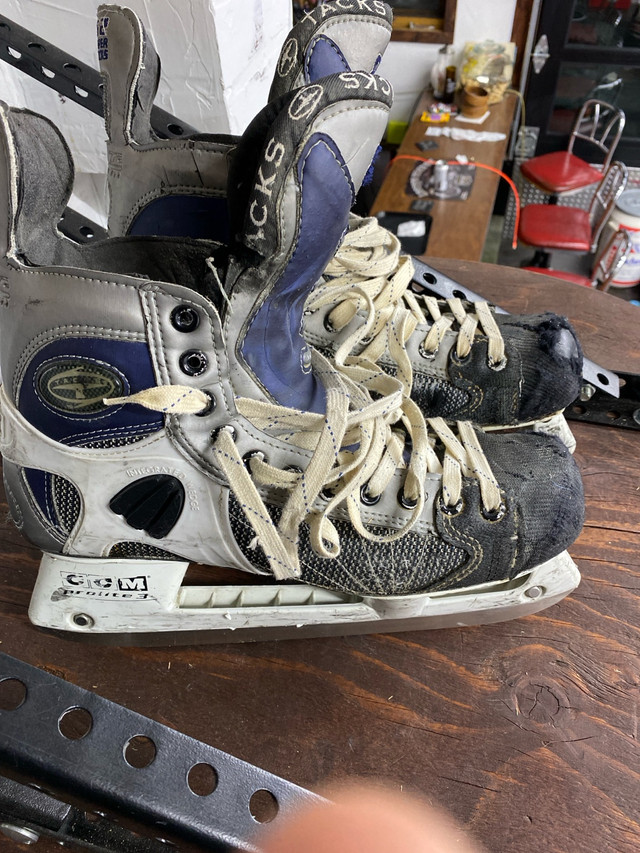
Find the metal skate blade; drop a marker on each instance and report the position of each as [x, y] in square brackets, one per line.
[426, 277]
[236, 614]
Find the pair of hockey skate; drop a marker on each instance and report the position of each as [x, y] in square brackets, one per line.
[273, 403]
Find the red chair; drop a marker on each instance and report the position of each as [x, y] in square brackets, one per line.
[547, 227]
[609, 261]
[598, 124]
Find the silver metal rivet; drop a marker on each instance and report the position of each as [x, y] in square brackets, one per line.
[586, 392]
[534, 592]
[82, 620]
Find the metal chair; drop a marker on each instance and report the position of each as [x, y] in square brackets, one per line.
[609, 261]
[598, 126]
[548, 227]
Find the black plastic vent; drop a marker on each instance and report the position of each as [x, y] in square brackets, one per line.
[152, 504]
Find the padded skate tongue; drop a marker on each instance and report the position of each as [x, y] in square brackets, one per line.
[291, 186]
[334, 37]
[131, 74]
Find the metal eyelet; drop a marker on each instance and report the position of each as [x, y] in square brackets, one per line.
[327, 494]
[227, 428]
[500, 365]
[328, 325]
[405, 502]
[452, 511]
[366, 498]
[193, 362]
[253, 454]
[210, 407]
[463, 359]
[428, 356]
[184, 318]
[494, 514]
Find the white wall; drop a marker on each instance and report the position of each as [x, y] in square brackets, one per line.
[408, 64]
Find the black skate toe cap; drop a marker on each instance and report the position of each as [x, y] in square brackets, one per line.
[551, 363]
[542, 478]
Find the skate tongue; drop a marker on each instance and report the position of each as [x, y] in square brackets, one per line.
[131, 74]
[334, 37]
[291, 185]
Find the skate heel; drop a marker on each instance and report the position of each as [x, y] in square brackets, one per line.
[84, 594]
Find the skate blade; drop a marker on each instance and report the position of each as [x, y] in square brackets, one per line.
[105, 601]
[555, 425]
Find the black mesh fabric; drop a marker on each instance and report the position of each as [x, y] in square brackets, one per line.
[140, 551]
[437, 397]
[66, 499]
[410, 564]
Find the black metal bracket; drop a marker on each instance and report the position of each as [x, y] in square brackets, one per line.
[81, 745]
[597, 407]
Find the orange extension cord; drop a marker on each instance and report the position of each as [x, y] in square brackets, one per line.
[516, 195]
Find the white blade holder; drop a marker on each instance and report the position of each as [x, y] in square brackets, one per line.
[428, 278]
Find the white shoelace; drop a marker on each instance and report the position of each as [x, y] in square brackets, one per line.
[356, 446]
[369, 273]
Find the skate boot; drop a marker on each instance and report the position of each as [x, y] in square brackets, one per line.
[161, 407]
[457, 359]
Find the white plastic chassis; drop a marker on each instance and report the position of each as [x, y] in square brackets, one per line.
[105, 598]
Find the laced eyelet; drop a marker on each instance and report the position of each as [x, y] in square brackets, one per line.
[328, 325]
[253, 454]
[498, 366]
[210, 407]
[405, 502]
[428, 356]
[227, 428]
[463, 359]
[327, 494]
[452, 511]
[366, 498]
[494, 514]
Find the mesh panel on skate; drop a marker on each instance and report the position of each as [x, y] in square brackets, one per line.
[437, 397]
[66, 499]
[410, 564]
[140, 551]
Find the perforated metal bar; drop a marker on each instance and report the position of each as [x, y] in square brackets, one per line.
[100, 763]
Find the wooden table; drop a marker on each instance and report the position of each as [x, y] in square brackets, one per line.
[527, 731]
[459, 228]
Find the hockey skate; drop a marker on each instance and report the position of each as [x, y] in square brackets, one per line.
[456, 359]
[161, 407]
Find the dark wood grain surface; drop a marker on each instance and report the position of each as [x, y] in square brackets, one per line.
[526, 731]
[459, 228]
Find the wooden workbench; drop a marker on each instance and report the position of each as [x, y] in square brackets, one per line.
[459, 228]
[527, 731]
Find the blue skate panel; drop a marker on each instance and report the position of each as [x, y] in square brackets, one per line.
[273, 346]
[63, 386]
[324, 57]
[200, 217]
